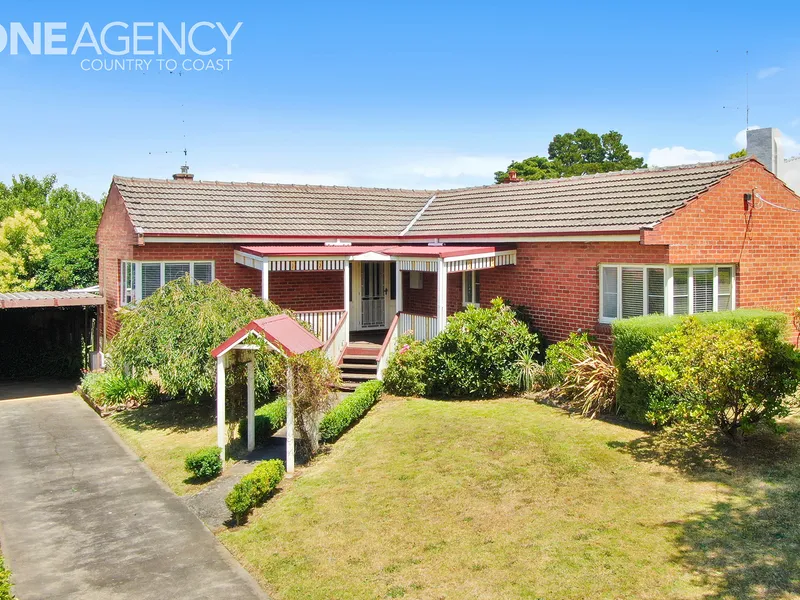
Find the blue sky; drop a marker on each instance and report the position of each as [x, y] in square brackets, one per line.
[412, 94]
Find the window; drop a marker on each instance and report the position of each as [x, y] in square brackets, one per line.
[471, 284]
[415, 280]
[632, 290]
[142, 279]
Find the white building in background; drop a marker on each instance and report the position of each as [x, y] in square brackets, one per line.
[767, 146]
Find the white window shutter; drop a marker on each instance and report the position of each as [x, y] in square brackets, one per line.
[655, 291]
[703, 292]
[151, 278]
[173, 271]
[680, 291]
[632, 292]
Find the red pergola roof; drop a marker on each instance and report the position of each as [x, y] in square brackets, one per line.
[416, 251]
[281, 331]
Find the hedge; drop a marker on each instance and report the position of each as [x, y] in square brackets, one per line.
[205, 463]
[349, 410]
[635, 335]
[254, 488]
[269, 418]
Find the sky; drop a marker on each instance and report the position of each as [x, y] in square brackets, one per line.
[390, 94]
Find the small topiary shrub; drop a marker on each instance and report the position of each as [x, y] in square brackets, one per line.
[720, 374]
[269, 418]
[560, 357]
[254, 488]
[476, 355]
[406, 372]
[635, 335]
[349, 410]
[205, 463]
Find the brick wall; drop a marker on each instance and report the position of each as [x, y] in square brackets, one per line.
[764, 241]
[559, 282]
[307, 290]
[115, 239]
[423, 302]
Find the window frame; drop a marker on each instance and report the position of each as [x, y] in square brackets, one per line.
[473, 276]
[668, 286]
[138, 283]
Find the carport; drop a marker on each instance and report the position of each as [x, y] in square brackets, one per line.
[47, 334]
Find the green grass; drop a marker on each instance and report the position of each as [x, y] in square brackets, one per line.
[511, 499]
[5, 581]
[162, 435]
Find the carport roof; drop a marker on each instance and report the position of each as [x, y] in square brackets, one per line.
[49, 299]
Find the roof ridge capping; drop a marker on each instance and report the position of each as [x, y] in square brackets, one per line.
[263, 184]
[733, 163]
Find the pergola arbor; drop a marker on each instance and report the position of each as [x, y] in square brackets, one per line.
[283, 335]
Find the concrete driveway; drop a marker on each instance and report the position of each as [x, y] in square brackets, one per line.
[81, 517]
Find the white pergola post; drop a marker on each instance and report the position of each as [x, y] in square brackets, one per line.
[399, 285]
[265, 279]
[289, 419]
[441, 297]
[347, 301]
[221, 431]
[251, 404]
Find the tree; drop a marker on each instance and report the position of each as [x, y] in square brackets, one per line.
[71, 223]
[740, 154]
[22, 249]
[577, 153]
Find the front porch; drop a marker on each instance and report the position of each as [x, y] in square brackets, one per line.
[359, 299]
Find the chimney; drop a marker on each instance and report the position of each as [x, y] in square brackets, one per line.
[512, 176]
[766, 145]
[184, 174]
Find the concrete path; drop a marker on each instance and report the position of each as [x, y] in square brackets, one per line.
[81, 517]
[209, 503]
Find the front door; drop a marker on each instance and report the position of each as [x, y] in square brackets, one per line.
[373, 295]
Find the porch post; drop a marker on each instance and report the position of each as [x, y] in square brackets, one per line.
[441, 297]
[221, 406]
[251, 405]
[347, 301]
[399, 284]
[289, 419]
[265, 279]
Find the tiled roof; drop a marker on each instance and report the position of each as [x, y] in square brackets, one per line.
[620, 201]
[210, 207]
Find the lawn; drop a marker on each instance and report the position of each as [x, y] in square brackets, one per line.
[512, 499]
[163, 434]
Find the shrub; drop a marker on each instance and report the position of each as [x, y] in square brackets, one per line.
[5, 582]
[720, 374]
[406, 371]
[269, 418]
[632, 336]
[476, 354]
[531, 373]
[591, 382]
[111, 388]
[205, 463]
[349, 410]
[254, 488]
[560, 357]
[174, 330]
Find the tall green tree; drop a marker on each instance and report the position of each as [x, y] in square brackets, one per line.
[22, 250]
[577, 153]
[71, 219]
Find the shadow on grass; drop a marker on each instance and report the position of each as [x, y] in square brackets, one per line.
[175, 415]
[746, 545]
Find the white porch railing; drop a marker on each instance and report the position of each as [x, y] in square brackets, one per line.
[337, 341]
[322, 322]
[424, 327]
[389, 344]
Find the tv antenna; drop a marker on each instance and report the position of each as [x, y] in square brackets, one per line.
[746, 91]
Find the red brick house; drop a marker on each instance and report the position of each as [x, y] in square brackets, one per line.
[364, 264]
